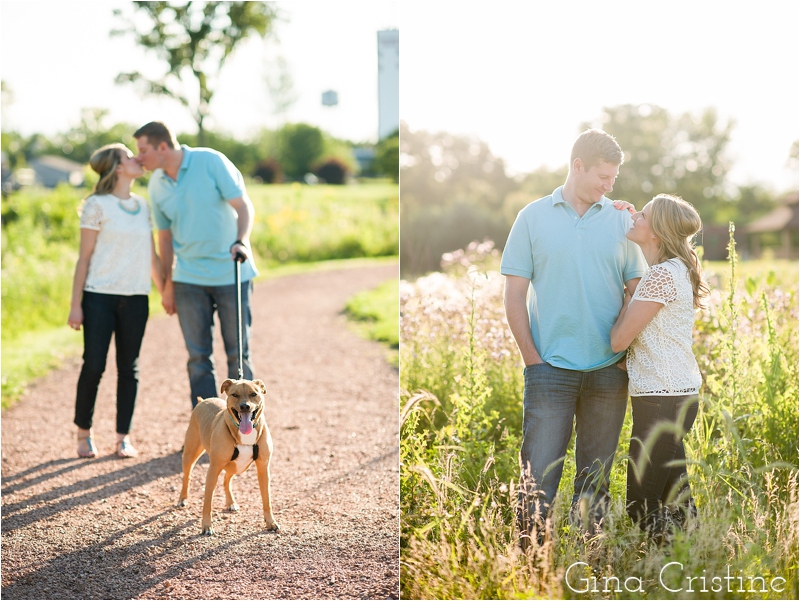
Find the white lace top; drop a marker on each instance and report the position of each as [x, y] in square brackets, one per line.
[660, 360]
[120, 263]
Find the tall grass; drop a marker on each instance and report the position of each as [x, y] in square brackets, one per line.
[40, 240]
[460, 435]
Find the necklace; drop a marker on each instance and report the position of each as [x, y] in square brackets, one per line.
[132, 211]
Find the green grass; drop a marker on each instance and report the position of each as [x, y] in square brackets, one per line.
[297, 228]
[375, 314]
[33, 358]
[297, 223]
[461, 382]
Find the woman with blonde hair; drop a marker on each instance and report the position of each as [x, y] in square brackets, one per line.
[116, 262]
[655, 325]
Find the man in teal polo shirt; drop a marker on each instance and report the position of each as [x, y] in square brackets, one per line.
[566, 263]
[204, 218]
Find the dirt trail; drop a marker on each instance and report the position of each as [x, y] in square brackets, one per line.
[108, 528]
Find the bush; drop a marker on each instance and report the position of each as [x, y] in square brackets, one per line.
[268, 171]
[332, 171]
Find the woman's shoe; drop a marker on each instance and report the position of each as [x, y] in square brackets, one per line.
[89, 451]
[125, 449]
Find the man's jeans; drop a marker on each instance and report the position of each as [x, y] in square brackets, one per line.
[103, 315]
[659, 494]
[553, 397]
[196, 306]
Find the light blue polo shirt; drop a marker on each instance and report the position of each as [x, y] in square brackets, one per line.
[577, 267]
[203, 224]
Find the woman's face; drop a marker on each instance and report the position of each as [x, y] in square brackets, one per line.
[640, 231]
[128, 165]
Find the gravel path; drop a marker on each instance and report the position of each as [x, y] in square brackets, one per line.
[108, 528]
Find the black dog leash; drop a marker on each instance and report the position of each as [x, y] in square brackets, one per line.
[237, 262]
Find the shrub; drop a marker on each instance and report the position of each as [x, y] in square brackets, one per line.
[268, 171]
[332, 171]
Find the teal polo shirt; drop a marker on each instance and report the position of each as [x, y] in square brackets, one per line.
[577, 267]
[195, 207]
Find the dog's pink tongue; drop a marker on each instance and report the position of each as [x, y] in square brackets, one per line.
[245, 425]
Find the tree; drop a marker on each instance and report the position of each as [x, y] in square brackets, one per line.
[792, 162]
[280, 85]
[299, 146]
[387, 156]
[443, 168]
[453, 191]
[683, 155]
[80, 141]
[194, 39]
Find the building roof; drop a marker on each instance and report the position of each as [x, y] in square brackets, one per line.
[59, 163]
[778, 219]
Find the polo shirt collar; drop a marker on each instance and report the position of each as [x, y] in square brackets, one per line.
[559, 199]
[187, 157]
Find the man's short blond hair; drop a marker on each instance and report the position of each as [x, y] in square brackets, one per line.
[594, 146]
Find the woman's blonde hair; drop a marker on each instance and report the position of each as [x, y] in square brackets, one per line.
[675, 222]
[104, 162]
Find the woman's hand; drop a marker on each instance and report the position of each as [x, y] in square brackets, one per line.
[622, 205]
[627, 299]
[75, 318]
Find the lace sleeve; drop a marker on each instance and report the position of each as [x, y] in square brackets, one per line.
[658, 285]
[91, 214]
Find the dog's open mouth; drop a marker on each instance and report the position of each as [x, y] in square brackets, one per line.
[245, 421]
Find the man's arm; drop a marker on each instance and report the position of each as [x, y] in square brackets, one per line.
[244, 224]
[515, 297]
[630, 285]
[167, 255]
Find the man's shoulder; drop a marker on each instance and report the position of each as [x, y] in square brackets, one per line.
[617, 215]
[203, 154]
[537, 206]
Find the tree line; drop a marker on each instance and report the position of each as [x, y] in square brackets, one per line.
[284, 154]
[455, 191]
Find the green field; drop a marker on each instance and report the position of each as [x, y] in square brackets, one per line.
[297, 227]
[461, 398]
[376, 314]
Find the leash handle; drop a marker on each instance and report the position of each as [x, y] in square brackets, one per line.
[238, 274]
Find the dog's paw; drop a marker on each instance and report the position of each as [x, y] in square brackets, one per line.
[233, 508]
[182, 502]
[207, 531]
[273, 527]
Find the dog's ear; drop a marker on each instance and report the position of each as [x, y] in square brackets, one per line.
[225, 385]
[261, 386]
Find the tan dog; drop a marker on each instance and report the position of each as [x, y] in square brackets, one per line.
[234, 434]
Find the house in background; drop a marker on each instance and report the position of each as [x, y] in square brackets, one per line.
[775, 232]
[49, 171]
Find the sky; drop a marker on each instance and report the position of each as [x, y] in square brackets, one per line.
[523, 76]
[58, 57]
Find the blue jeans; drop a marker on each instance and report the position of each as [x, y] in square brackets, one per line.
[196, 306]
[554, 398]
[103, 315]
[660, 493]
